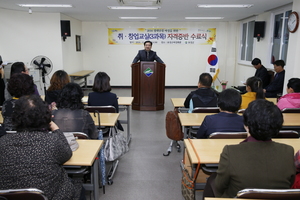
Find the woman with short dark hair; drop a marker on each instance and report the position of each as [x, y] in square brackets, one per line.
[102, 95]
[292, 98]
[257, 162]
[227, 120]
[33, 156]
[70, 115]
[19, 85]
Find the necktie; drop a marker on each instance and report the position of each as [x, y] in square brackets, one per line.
[147, 55]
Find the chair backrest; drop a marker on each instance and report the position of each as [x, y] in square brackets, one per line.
[101, 109]
[290, 110]
[228, 135]
[269, 194]
[287, 134]
[80, 135]
[206, 110]
[21, 194]
[241, 110]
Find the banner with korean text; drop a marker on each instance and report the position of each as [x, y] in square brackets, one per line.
[133, 36]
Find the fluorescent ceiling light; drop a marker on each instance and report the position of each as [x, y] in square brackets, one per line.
[132, 8]
[204, 17]
[46, 5]
[225, 5]
[138, 17]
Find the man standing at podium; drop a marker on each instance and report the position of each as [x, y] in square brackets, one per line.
[147, 54]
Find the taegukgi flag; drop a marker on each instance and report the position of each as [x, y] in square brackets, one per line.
[212, 62]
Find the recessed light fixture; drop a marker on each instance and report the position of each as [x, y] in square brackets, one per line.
[204, 17]
[138, 17]
[133, 8]
[225, 5]
[46, 5]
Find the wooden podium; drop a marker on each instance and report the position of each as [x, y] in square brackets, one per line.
[148, 86]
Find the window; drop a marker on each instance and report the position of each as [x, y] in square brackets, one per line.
[247, 41]
[280, 36]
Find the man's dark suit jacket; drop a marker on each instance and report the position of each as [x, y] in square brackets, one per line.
[259, 164]
[276, 86]
[262, 73]
[142, 56]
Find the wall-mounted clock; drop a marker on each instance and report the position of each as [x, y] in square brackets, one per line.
[293, 22]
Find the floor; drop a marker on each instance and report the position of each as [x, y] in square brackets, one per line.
[143, 172]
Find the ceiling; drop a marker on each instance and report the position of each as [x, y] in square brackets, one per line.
[171, 10]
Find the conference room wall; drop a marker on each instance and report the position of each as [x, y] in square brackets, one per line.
[262, 50]
[293, 58]
[184, 62]
[72, 59]
[24, 36]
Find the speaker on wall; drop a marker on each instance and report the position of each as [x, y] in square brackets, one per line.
[65, 27]
[259, 30]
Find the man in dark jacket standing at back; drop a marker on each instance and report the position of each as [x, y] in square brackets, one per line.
[204, 96]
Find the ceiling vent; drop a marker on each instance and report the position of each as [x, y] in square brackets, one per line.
[140, 2]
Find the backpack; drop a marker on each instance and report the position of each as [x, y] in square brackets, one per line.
[173, 126]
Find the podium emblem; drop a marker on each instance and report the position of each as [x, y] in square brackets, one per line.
[148, 72]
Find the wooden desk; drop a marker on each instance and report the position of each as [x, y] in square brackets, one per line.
[86, 155]
[1, 118]
[211, 198]
[179, 102]
[124, 103]
[106, 119]
[81, 75]
[209, 150]
[274, 100]
[195, 119]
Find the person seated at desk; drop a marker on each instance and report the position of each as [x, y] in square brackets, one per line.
[254, 91]
[19, 85]
[70, 116]
[58, 80]
[292, 98]
[226, 120]
[18, 68]
[276, 86]
[32, 157]
[261, 72]
[296, 184]
[204, 96]
[147, 54]
[257, 162]
[102, 95]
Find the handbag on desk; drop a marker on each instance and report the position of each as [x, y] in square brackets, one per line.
[116, 145]
[188, 182]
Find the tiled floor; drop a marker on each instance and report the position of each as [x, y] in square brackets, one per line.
[143, 172]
